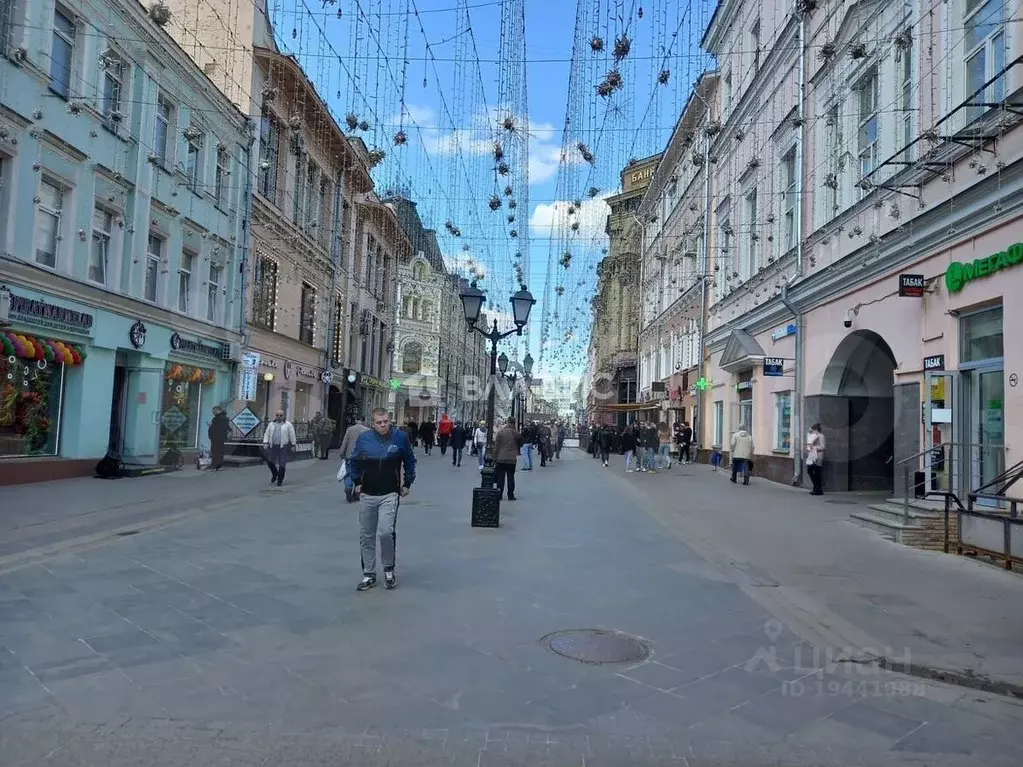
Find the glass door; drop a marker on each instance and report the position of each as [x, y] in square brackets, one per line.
[989, 417]
[940, 394]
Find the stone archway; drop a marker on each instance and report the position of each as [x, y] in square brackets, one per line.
[856, 407]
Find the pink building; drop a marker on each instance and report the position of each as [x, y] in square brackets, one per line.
[851, 153]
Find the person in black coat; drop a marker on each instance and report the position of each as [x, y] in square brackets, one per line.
[604, 443]
[218, 431]
[427, 431]
[629, 447]
[458, 438]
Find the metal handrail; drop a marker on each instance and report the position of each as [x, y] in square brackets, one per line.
[905, 463]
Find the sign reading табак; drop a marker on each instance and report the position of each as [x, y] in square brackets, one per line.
[912, 285]
[959, 273]
[774, 366]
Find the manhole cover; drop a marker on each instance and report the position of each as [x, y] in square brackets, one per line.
[596, 646]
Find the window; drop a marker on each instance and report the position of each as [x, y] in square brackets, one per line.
[312, 197]
[325, 214]
[220, 179]
[264, 296]
[754, 45]
[984, 47]
[162, 142]
[726, 97]
[412, 358]
[298, 198]
[339, 325]
[904, 126]
[193, 161]
[789, 202]
[154, 256]
[833, 152]
[213, 293]
[269, 154]
[99, 256]
[113, 88]
[307, 318]
[6, 25]
[867, 116]
[752, 253]
[185, 281]
[981, 336]
[48, 221]
[31, 426]
[783, 420]
[62, 52]
[719, 423]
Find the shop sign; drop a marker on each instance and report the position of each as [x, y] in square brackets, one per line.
[29, 311]
[958, 273]
[912, 285]
[304, 372]
[744, 386]
[246, 421]
[287, 369]
[173, 419]
[785, 332]
[248, 380]
[774, 366]
[935, 362]
[370, 382]
[185, 347]
[137, 334]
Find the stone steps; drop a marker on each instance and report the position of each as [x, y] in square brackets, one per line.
[922, 528]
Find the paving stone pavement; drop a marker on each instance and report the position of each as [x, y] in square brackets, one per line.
[236, 638]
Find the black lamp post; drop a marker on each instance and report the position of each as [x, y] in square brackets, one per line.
[527, 375]
[485, 498]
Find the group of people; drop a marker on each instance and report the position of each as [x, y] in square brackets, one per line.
[645, 444]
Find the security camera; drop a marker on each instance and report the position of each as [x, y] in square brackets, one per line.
[847, 323]
[850, 316]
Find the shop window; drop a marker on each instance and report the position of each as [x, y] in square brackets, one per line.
[181, 407]
[30, 404]
[783, 420]
[981, 336]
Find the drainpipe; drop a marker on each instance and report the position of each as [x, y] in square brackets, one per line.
[704, 264]
[798, 400]
[246, 233]
[330, 350]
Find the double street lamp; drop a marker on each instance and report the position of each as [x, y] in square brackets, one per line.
[485, 506]
[527, 375]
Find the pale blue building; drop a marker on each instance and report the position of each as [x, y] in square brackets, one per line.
[123, 224]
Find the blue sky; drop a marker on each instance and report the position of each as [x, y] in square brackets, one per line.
[448, 75]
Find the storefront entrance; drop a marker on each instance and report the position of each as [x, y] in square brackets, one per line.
[857, 410]
[983, 385]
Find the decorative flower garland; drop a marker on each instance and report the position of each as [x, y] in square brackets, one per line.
[41, 349]
[191, 375]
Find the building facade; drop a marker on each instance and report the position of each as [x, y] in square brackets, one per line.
[122, 202]
[866, 215]
[616, 309]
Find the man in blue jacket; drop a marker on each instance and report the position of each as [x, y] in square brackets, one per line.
[383, 468]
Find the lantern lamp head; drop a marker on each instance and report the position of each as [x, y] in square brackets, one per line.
[522, 303]
[472, 302]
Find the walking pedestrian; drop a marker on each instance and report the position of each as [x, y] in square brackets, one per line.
[815, 446]
[444, 432]
[664, 445]
[427, 432]
[652, 445]
[279, 440]
[457, 438]
[479, 442]
[560, 434]
[352, 434]
[528, 445]
[219, 428]
[741, 453]
[384, 468]
[315, 431]
[686, 435]
[506, 455]
[629, 448]
[545, 443]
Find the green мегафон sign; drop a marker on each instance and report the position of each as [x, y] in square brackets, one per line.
[958, 273]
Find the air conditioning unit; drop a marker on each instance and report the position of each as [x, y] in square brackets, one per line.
[5, 306]
[231, 352]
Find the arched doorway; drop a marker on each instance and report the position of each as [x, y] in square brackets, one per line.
[335, 412]
[857, 411]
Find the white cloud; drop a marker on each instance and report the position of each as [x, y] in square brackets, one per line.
[544, 146]
[549, 220]
[464, 265]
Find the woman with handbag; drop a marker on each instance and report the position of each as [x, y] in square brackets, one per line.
[815, 446]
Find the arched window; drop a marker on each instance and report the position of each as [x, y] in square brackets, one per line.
[412, 358]
[419, 271]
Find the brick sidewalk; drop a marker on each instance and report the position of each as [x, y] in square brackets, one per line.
[845, 583]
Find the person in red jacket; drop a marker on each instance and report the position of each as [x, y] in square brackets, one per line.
[444, 432]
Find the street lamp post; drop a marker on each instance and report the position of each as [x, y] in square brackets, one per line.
[486, 500]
